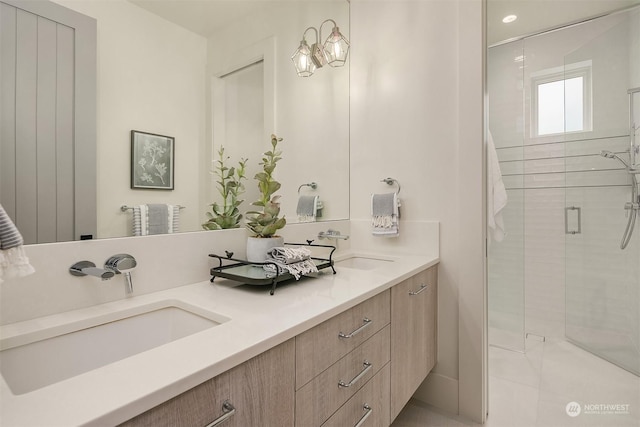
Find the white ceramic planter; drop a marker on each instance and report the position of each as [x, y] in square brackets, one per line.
[257, 247]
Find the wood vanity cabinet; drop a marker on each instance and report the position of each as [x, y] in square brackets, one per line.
[339, 357]
[359, 367]
[261, 390]
[413, 335]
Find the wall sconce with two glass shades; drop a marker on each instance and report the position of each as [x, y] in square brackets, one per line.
[334, 51]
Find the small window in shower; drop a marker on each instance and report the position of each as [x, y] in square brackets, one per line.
[561, 100]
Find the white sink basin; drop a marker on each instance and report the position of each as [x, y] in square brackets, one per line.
[96, 342]
[363, 263]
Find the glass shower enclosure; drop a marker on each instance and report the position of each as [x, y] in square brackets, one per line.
[560, 116]
[602, 247]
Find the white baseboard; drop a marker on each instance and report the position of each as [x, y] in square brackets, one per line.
[439, 391]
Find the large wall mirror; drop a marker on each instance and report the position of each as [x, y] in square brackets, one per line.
[210, 74]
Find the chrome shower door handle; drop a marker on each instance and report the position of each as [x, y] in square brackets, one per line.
[578, 228]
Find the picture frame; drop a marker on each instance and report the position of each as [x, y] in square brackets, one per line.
[152, 161]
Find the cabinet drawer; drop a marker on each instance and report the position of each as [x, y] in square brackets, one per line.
[321, 346]
[320, 398]
[372, 402]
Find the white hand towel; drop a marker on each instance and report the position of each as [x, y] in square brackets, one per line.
[13, 259]
[496, 194]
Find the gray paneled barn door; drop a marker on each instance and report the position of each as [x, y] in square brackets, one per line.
[47, 120]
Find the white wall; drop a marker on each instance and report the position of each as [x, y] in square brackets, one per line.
[151, 76]
[416, 116]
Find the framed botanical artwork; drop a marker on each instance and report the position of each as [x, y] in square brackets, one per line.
[152, 161]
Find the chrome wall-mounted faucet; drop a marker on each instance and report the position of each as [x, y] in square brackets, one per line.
[87, 268]
[122, 263]
[332, 234]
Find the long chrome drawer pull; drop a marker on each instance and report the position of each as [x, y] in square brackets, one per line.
[355, 379]
[422, 288]
[228, 410]
[366, 321]
[369, 410]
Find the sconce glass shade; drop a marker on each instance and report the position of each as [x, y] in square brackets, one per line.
[336, 48]
[303, 61]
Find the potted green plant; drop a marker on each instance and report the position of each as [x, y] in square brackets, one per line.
[230, 187]
[265, 223]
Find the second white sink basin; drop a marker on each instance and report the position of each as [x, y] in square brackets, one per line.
[37, 364]
[363, 263]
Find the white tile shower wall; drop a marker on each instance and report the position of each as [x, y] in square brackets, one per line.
[164, 262]
[506, 278]
[544, 261]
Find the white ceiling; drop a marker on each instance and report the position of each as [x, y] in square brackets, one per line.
[204, 16]
[538, 15]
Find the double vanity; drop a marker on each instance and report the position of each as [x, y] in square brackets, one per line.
[343, 349]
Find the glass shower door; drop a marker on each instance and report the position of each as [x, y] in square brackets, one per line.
[602, 282]
[506, 257]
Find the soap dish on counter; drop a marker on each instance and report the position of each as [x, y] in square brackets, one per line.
[252, 273]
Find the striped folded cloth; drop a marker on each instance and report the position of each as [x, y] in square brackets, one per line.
[295, 261]
[155, 219]
[13, 259]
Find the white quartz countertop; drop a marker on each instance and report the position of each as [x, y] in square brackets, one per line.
[258, 321]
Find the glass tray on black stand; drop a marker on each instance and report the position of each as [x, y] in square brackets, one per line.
[252, 273]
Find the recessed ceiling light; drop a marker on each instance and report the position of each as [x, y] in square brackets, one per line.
[509, 18]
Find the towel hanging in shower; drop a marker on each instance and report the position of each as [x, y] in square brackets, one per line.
[496, 194]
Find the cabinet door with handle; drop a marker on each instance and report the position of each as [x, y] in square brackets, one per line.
[259, 392]
[263, 389]
[413, 335]
[196, 407]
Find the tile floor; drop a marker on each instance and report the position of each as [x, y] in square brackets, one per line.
[534, 389]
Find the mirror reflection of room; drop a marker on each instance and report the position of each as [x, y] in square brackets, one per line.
[159, 71]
